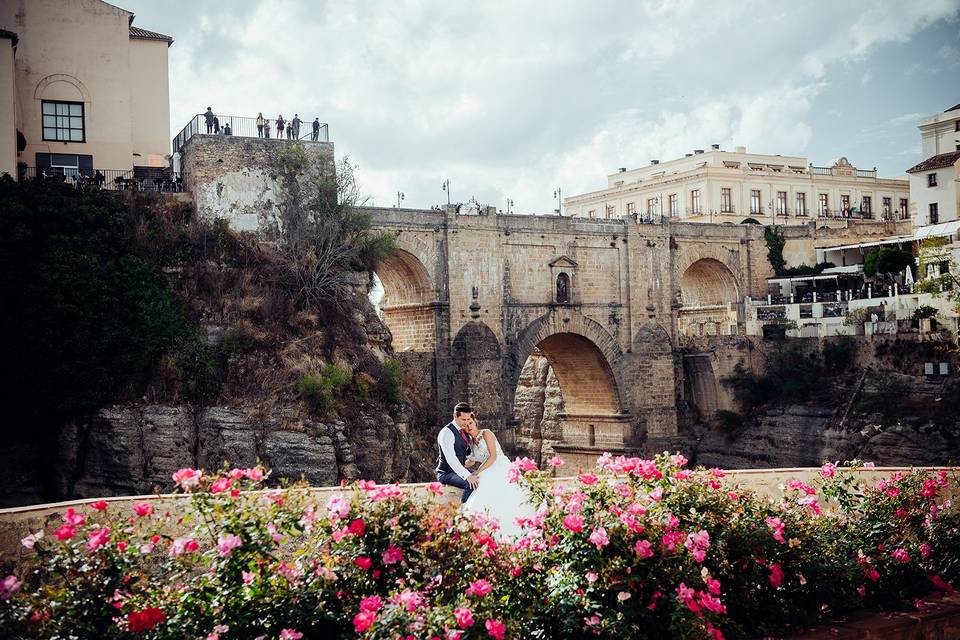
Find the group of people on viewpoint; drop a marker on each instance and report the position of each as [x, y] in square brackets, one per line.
[290, 128]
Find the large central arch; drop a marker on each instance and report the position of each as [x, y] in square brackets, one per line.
[408, 302]
[584, 358]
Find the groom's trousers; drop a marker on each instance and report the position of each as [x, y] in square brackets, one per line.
[454, 480]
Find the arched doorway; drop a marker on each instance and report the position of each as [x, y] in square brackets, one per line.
[708, 299]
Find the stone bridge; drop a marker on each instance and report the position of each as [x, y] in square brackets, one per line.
[468, 298]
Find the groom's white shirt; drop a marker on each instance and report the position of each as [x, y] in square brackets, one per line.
[445, 439]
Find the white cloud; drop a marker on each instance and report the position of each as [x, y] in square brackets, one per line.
[513, 100]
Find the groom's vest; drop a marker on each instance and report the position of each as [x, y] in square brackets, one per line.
[460, 448]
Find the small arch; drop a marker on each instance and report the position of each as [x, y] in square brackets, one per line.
[47, 89]
[708, 282]
[476, 359]
[408, 302]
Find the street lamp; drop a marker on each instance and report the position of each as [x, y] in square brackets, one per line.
[558, 194]
[509, 205]
[400, 197]
[446, 187]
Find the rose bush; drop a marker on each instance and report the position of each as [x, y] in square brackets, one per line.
[633, 549]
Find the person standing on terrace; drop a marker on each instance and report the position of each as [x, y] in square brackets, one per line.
[316, 130]
[260, 123]
[266, 129]
[208, 116]
[280, 125]
[296, 126]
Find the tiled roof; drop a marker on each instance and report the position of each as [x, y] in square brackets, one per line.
[936, 162]
[143, 34]
[953, 108]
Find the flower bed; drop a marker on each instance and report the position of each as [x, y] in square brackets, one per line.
[633, 549]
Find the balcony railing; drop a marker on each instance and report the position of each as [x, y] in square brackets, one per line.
[141, 180]
[245, 127]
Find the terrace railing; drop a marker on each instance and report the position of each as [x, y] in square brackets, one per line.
[156, 181]
[246, 127]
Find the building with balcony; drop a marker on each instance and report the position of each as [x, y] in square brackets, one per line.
[733, 186]
[935, 182]
[81, 89]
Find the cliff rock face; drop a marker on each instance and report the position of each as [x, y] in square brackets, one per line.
[878, 428]
[538, 404]
[134, 449]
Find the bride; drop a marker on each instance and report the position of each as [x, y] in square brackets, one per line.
[496, 496]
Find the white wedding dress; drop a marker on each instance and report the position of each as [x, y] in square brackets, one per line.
[496, 496]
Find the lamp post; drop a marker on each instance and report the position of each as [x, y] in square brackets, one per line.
[558, 194]
[509, 205]
[446, 187]
[400, 197]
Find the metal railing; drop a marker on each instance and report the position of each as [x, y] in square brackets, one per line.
[141, 180]
[246, 127]
[853, 215]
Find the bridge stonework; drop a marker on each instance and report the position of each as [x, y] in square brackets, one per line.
[468, 298]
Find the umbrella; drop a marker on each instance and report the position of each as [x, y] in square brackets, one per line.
[908, 276]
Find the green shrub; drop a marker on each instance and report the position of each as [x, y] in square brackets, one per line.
[391, 382]
[198, 366]
[924, 311]
[237, 340]
[888, 260]
[323, 391]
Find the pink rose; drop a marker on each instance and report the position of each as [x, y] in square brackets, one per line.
[464, 617]
[642, 549]
[588, 478]
[573, 522]
[776, 575]
[65, 532]
[187, 478]
[599, 537]
[220, 485]
[828, 470]
[436, 488]
[479, 588]
[32, 539]
[290, 634]
[900, 555]
[99, 505]
[226, 543]
[363, 562]
[363, 621]
[496, 629]
[9, 586]
[142, 509]
[98, 538]
[392, 555]
[371, 603]
[183, 545]
[73, 518]
[555, 461]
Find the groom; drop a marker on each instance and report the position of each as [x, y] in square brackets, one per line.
[454, 444]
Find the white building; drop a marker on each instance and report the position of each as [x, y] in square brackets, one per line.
[731, 186]
[935, 182]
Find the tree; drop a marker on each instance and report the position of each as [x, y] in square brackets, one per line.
[85, 316]
[888, 261]
[938, 271]
[324, 235]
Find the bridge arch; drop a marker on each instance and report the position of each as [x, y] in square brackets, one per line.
[408, 301]
[586, 361]
[708, 282]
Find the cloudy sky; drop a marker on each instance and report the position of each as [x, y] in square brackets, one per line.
[512, 99]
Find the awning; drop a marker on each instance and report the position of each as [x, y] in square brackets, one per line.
[863, 245]
[937, 230]
[800, 278]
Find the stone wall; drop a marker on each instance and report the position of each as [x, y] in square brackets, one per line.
[237, 178]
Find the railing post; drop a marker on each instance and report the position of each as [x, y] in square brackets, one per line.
[869, 291]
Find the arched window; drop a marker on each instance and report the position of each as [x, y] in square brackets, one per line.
[563, 288]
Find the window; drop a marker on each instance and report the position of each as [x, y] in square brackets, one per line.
[823, 205]
[931, 179]
[651, 206]
[887, 208]
[726, 204]
[781, 203]
[631, 209]
[934, 214]
[63, 121]
[674, 205]
[845, 203]
[956, 125]
[592, 213]
[695, 201]
[755, 201]
[611, 210]
[904, 210]
[867, 205]
[801, 204]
